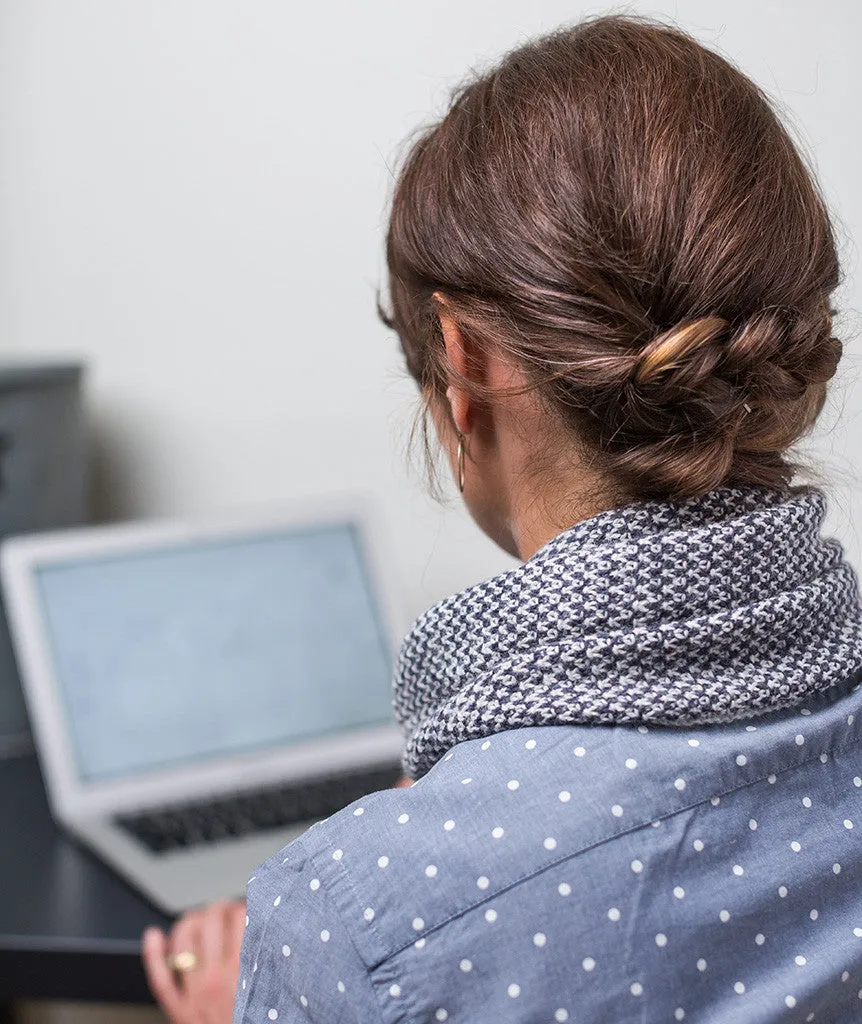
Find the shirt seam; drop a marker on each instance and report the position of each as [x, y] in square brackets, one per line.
[341, 871]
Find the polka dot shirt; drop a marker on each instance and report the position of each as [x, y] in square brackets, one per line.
[582, 874]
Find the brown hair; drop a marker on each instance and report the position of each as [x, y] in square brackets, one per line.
[622, 211]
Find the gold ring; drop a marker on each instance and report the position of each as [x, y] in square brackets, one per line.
[183, 962]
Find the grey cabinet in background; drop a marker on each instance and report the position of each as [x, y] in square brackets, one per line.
[44, 483]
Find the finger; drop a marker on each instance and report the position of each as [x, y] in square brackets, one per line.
[161, 979]
[213, 938]
[186, 936]
[403, 783]
[235, 913]
[212, 988]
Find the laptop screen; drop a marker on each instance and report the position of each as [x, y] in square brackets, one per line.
[173, 656]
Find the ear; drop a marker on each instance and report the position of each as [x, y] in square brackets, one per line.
[462, 405]
[456, 355]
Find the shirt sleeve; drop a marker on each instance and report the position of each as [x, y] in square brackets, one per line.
[298, 964]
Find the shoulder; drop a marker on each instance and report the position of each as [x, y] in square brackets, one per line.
[494, 812]
[472, 874]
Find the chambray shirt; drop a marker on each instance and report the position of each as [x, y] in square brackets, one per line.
[582, 874]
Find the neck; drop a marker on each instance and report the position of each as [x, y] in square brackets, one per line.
[536, 519]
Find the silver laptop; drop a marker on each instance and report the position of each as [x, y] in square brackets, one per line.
[200, 693]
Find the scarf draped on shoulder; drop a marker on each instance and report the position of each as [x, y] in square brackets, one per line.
[687, 613]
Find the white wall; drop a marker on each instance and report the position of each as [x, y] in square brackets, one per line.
[192, 197]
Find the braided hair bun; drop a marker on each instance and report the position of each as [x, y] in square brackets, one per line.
[623, 212]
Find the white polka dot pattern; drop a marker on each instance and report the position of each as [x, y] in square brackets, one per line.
[713, 869]
[678, 874]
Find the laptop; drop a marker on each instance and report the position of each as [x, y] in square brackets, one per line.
[202, 692]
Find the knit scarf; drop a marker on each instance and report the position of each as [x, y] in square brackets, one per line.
[686, 613]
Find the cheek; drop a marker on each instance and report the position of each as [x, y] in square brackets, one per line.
[439, 415]
[445, 434]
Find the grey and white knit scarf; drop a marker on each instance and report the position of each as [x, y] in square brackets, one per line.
[674, 613]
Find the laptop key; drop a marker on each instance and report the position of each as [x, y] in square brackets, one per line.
[182, 825]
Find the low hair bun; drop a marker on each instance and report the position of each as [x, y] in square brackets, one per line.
[709, 400]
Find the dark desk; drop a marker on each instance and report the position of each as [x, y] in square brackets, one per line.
[69, 927]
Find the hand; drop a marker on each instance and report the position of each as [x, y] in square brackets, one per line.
[204, 995]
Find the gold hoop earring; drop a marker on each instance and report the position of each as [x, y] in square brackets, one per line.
[461, 456]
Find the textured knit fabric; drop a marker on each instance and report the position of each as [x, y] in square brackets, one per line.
[711, 610]
[604, 871]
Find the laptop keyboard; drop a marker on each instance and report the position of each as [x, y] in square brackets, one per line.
[178, 826]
